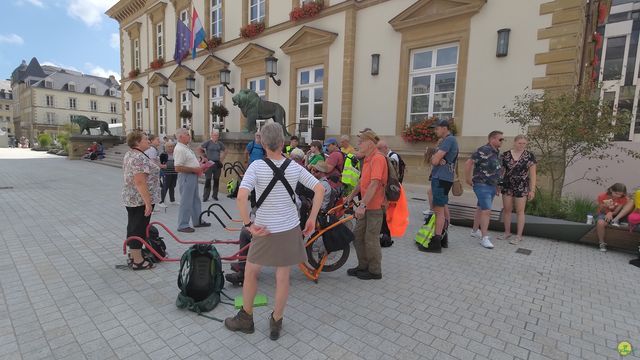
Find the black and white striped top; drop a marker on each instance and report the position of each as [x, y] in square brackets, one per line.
[278, 213]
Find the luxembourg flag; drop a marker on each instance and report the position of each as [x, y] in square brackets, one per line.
[197, 34]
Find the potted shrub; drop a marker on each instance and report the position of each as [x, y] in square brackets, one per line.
[252, 30]
[44, 140]
[307, 10]
[185, 114]
[134, 73]
[157, 63]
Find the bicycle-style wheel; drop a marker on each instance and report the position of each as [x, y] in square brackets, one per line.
[335, 259]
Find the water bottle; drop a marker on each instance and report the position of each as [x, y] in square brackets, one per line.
[590, 219]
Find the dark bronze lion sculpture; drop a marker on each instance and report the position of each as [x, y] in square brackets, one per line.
[253, 108]
[86, 124]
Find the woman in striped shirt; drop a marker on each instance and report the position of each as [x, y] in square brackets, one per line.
[277, 238]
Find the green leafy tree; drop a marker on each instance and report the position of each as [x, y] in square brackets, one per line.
[44, 140]
[564, 128]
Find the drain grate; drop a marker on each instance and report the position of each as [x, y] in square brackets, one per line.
[6, 187]
[523, 251]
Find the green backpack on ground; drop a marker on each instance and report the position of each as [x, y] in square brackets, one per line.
[426, 232]
[200, 279]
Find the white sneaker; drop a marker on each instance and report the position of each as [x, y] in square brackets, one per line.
[427, 212]
[162, 205]
[603, 247]
[476, 234]
[615, 223]
[486, 243]
[175, 203]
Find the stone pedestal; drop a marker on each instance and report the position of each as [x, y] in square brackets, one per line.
[78, 144]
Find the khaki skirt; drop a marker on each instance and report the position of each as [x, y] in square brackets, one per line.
[278, 249]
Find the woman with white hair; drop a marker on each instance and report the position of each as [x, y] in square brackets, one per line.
[277, 238]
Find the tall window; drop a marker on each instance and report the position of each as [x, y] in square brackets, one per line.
[259, 85]
[185, 103]
[114, 120]
[159, 41]
[94, 105]
[162, 115]
[614, 58]
[114, 107]
[72, 103]
[138, 114]
[216, 96]
[51, 118]
[256, 10]
[432, 83]
[310, 99]
[136, 53]
[216, 18]
[49, 99]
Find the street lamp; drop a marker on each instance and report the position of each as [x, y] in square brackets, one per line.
[503, 43]
[375, 64]
[191, 86]
[225, 79]
[272, 69]
[164, 92]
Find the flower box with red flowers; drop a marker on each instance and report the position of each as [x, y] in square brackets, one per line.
[308, 10]
[213, 42]
[157, 63]
[422, 131]
[252, 30]
[134, 73]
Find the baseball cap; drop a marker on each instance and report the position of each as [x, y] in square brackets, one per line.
[441, 122]
[330, 141]
[369, 135]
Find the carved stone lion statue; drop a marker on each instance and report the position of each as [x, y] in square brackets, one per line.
[253, 108]
[86, 124]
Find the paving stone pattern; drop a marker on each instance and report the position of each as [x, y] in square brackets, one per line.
[62, 297]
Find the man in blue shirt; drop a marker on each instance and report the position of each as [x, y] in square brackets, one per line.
[254, 150]
[487, 172]
[442, 174]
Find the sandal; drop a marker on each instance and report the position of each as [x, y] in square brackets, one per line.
[144, 265]
[516, 241]
[503, 237]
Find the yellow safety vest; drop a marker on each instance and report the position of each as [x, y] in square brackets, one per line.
[426, 232]
[350, 174]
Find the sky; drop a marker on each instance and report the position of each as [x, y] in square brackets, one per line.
[74, 34]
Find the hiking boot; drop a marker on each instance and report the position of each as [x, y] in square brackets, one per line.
[445, 241]
[435, 245]
[236, 278]
[366, 275]
[241, 322]
[354, 271]
[275, 327]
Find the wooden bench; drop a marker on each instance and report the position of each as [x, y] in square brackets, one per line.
[619, 238]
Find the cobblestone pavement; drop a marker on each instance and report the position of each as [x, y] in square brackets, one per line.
[62, 297]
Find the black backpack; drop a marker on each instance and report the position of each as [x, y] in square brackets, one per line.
[200, 279]
[157, 243]
[392, 187]
[401, 165]
[336, 238]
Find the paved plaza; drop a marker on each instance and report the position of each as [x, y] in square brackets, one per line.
[62, 297]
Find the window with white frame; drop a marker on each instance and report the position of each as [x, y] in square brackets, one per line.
[216, 97]
[51, 118]
[48, 84]
[71, 116]
[432, 83]
[114, 120]
[159, 40]
[72, 103]
[184, 17]
[114, 107]
[49, 100]
[259, 85]
[93, 105]
[92, 90]
[112, 92]
[216, 18]
[185, 104]
[162, 115]
[72, 87]
[94, 118]
[138, 114]
[256, 11]
[136, 54]
[614, 58]
[310, 98]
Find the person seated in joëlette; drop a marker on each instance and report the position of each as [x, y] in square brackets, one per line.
[610, 203]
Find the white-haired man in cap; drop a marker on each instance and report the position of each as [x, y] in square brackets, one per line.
[369, 213]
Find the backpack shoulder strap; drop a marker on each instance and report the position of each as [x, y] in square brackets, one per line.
[278, 175]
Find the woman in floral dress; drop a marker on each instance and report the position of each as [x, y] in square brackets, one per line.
[518, 185]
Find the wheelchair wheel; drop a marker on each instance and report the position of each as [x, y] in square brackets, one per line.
[335, 259]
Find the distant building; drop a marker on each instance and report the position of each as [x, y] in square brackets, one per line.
[6, 112]
[48, 96]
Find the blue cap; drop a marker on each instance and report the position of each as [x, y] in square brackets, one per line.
[330, 141]
[441, 122]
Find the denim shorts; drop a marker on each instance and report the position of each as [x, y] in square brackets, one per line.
[485, 194]
[440, 190]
